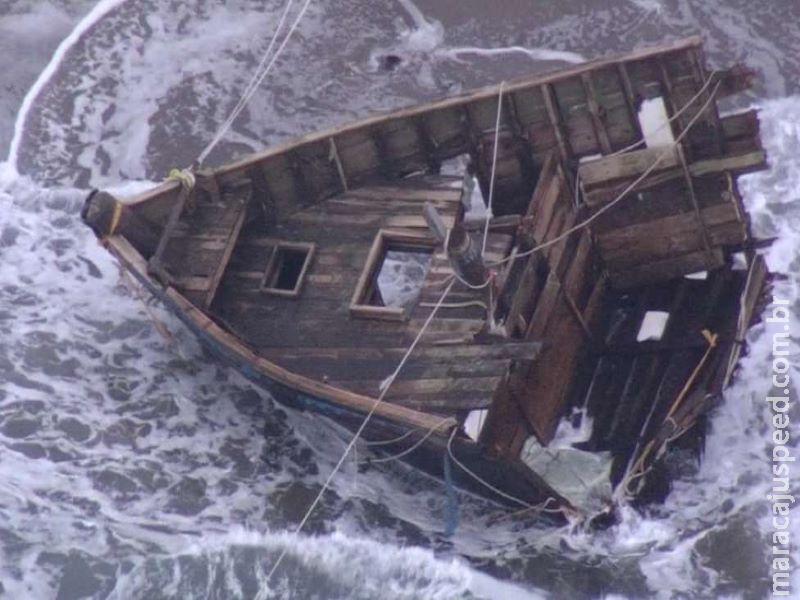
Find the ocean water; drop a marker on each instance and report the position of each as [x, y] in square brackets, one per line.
[133, 466]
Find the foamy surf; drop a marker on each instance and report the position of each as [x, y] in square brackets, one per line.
[330, 566]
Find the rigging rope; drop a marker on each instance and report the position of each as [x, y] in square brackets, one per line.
[621, 196]
[637, 469]
[258, 77]
[410, 449]
[527, 505]
[384, 390]
[494, 167]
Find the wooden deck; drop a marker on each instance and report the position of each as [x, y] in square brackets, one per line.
[314, 334]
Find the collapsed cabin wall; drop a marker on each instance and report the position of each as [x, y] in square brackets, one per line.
[682, 213]
[551, 296]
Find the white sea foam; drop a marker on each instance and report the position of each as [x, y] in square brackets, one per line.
[357, 568]
[100, 10]
[538, 54]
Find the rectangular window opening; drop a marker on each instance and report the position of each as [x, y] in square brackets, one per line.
[287, 268]
[393, 276]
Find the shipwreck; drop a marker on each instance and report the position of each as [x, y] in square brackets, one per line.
[581, 274]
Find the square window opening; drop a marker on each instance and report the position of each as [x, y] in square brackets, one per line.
[392, 279]
[287, 268]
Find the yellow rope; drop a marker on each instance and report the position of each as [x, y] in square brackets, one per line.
[711, 338]
[637, 470]
[184, 176]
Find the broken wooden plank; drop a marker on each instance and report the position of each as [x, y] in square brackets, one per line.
[669, 235]
[667, 268]
[556, 122]
[631, 164]
[225, 256]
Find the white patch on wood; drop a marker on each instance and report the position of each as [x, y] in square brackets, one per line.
[654, 122]
[474, 423]
[653, 325]
[739, 261]
[699, 275]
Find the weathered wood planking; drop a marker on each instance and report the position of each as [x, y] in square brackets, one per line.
[197, 243]
[356, 354]
[548, 304]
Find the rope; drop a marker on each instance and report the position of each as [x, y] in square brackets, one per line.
[184, 176]
[410, 449]
[451, 511]
[621, 196]
[465, 304]
[483, 482]
[588, 221]
[258, 78]
[362, 427]
[541, 507]
[631, 475]
[677, 115]
[390, 441]
[494, 167]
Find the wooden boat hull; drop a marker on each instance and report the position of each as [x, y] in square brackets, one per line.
[274, 262]
[512, 478]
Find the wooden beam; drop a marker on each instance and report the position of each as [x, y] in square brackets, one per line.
[712, 112]
[155, 266]
[744, 163]
[435, 222]
[669, 100]
[627, 246]
[594, 108]
[334, 156]
[578, 315]
[627, 165]
[227, 252]
[510, 102]
[667, 268]
[631, 98]
[695, 205]
[551, 105]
